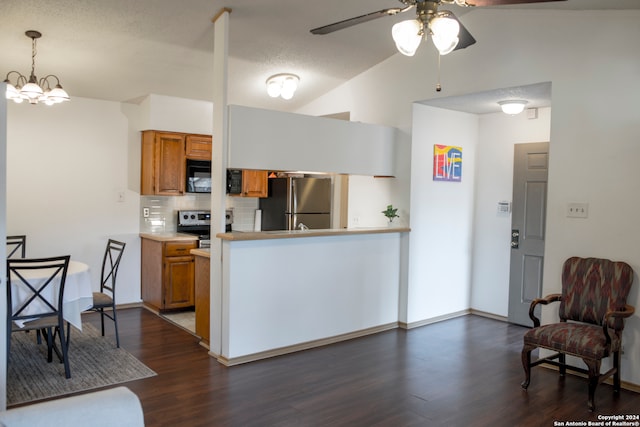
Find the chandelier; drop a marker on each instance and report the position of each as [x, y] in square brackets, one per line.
[32, 89]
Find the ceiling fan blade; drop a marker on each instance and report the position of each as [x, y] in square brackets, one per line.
[358, 20]
[480, 3]
[464, 36]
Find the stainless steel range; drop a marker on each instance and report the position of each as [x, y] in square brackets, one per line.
[197, 223]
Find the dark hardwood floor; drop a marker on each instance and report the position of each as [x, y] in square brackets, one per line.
[460, 372]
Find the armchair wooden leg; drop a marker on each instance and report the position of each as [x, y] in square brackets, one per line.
[526, 364]
[616, 374]
[594, 377]
[562, 359]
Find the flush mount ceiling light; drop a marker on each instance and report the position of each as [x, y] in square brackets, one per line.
[282, 85]
[512, 106]
[32, 89]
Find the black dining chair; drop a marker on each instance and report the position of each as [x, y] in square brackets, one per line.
[16, 246]
[106, 298]
[35, 290]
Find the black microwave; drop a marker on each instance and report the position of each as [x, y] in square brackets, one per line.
[198, 176]
[234, 181]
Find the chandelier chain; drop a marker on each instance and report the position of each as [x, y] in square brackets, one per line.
[34, 51]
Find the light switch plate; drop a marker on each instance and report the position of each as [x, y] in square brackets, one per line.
[577, 210]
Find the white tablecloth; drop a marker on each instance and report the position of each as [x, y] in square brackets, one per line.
[78, 294]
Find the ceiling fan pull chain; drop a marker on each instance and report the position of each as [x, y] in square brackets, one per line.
[438, 87]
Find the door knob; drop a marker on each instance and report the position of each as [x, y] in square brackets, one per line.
[515, 239]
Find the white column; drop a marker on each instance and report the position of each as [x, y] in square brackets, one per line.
[218, 175]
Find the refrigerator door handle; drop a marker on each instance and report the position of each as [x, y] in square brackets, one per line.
[293, 201]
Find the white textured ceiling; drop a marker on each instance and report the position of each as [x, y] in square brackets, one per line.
[121, 50]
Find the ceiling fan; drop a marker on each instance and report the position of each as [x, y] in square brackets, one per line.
[447, 33]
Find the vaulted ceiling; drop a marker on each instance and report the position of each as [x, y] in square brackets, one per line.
[121, 50]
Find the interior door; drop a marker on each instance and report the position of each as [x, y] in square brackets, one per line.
[529, 206]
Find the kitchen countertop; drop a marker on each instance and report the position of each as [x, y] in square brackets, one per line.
[287, 234]
[203, 252]
[165, 237]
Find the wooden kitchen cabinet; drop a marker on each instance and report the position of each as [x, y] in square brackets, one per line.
[162, 171]
[254, 183]
[164, 154]
[198, 147]
[167, 276]
[202, 280]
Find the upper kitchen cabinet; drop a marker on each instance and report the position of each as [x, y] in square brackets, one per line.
[163, 164]
[255, 183]
[164, 155]
[247, 183]
[198, 147]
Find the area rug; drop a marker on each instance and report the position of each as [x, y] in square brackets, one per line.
[95, 362]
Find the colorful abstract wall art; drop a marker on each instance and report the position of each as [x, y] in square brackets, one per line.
[447, 163]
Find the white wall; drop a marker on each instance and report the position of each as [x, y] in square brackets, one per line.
[67, 168]
[3, 234]
[441, 216]
[497, 135]
[275, 140]
[589, 57]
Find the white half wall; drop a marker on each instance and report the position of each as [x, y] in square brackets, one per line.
[283, 292]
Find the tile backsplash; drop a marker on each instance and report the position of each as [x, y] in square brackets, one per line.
[163, 211]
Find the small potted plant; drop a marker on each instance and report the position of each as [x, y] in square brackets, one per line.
[391, 213]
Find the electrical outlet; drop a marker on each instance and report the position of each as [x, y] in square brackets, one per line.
[145, 212]
[577, 210]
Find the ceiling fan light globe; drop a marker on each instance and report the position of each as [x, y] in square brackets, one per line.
[444, 26]
[445, 32]
[443, 45]
[407, 35]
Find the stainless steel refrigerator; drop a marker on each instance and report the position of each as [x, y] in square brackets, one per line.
[295, 201]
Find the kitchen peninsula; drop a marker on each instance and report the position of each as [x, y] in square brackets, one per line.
[284, 291]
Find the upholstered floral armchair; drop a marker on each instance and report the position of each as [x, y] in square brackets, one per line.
[593, 305]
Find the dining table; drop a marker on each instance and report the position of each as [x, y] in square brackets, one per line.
[77, 297]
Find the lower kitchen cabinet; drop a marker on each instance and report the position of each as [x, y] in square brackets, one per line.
[167, 275]
[202, 279]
